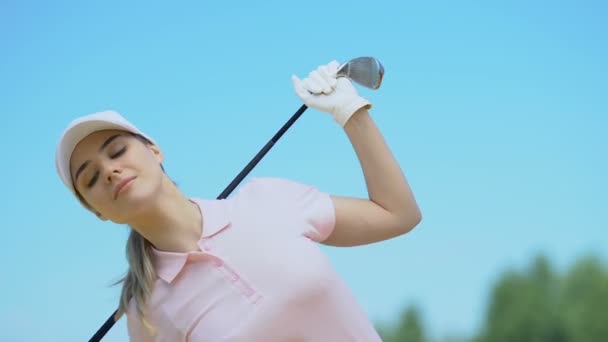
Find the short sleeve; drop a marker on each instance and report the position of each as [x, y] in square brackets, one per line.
[304, 201]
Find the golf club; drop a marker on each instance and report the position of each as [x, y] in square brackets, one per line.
[365, 71]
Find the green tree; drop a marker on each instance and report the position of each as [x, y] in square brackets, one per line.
[536, 304]
[409, 327]
[523, 307]
[584, 301]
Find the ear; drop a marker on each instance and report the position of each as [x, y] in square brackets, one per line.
[157, 153]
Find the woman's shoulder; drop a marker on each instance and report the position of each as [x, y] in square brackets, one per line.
[265, 183]
[263, 190]
[271, 187]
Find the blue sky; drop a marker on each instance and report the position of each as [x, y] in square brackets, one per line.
[497, 112]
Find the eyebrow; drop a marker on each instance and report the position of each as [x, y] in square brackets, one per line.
[86, 163]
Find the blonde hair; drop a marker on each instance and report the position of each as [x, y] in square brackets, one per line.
[139, 280]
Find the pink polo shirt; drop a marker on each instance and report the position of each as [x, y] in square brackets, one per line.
[260, 274]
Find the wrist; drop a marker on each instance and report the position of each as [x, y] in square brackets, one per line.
[359, 118]
[344, 113]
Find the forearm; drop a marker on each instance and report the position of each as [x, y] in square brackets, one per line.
[386, 183]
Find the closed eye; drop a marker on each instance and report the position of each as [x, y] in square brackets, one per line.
[93, 180]
[118, 153]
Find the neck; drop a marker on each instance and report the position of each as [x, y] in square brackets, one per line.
[172, 223]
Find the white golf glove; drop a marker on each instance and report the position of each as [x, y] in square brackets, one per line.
[323, 91]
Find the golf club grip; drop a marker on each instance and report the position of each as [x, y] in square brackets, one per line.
[109, 323]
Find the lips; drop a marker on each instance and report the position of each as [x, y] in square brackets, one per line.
[122, 185]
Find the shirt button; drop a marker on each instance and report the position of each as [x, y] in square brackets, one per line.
[248, 292]
[218, 262]
[206, 245]
[234, 277]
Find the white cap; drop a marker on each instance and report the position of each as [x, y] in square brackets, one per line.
[79, 129]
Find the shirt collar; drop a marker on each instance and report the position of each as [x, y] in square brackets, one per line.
[215, 218]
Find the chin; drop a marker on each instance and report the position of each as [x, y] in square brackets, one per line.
[137, 201]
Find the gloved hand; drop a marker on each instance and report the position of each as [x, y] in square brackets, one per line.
[323, 91]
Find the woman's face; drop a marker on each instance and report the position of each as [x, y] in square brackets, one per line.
[116, 173]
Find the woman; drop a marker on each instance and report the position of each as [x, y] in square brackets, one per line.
[247, 268]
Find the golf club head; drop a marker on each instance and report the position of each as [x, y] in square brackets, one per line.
[365, 71]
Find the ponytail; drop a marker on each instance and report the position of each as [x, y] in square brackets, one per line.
[139, 281]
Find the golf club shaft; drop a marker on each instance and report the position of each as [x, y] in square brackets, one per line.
[103, 330]
[235, 182]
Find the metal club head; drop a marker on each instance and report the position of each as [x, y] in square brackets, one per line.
[365, 71]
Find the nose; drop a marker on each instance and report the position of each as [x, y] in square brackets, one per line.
[110, 172]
